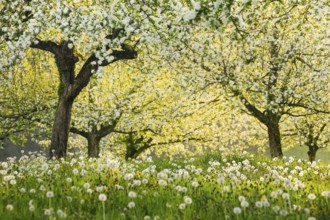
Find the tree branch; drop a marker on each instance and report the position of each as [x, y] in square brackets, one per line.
[48, 46]
[78, 131]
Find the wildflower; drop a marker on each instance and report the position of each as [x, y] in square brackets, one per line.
[258, 204]
[119, 187]
[187, 200]
[99, 189]
[311, 218]
[276, 208]
[296, 207]
[147, 217]
[48, 211]
[194, 184]
[137, 182]
[61, 214]
[162, 182]
[237, 210]
[132, 194]
[50, 194]
[69, 180]
[87, 185]
[31, 208]
[241, 198]
[284, 212]
[244, 204]
[285, 195]
[131, 205]
[75, 171]
[311, 196]
[326, 193]
[128, 176]
[102, 197]
[182, 206]
[221, 180]
[225, 189]
[10, 207]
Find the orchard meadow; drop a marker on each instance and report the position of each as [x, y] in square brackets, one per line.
[161, 101]
[208, 187]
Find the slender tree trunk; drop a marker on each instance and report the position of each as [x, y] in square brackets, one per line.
[60, 133]
[93, 146]
[312, 153]
[274, 139]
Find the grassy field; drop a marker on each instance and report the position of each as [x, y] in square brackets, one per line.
[301, 152]
[209, 187]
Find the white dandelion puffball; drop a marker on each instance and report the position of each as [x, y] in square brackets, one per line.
[102, 197]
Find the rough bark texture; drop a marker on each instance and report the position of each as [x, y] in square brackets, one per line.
[312, 153]
[93, 146]
[274, 138]
[60, 133]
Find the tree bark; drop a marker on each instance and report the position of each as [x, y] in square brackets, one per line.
[93, 146]
[274, 139]
[130, 153]
[60, 133]
[312, 154]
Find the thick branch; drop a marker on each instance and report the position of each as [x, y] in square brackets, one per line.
[92, 65]
[48, 46]
[78, 131]
[251, 108]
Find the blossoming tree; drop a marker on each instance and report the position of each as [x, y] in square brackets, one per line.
[83, 38]
[271, 56]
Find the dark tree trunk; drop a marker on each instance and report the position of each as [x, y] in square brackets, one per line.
[274, 139]
[93, 146]
[60, 133]
[312, 153]
[130, 153]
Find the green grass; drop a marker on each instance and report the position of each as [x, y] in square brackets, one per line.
[301, 152]
[208, 187]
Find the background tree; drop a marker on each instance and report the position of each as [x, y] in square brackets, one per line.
[311, 131]
[270, 56]
[27, 99]
[143, 103]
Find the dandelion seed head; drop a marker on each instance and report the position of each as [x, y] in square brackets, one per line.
[10, 207]
[182, 206]
[49, 194]
[102, 197]
[237, 210]
[131, 205]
